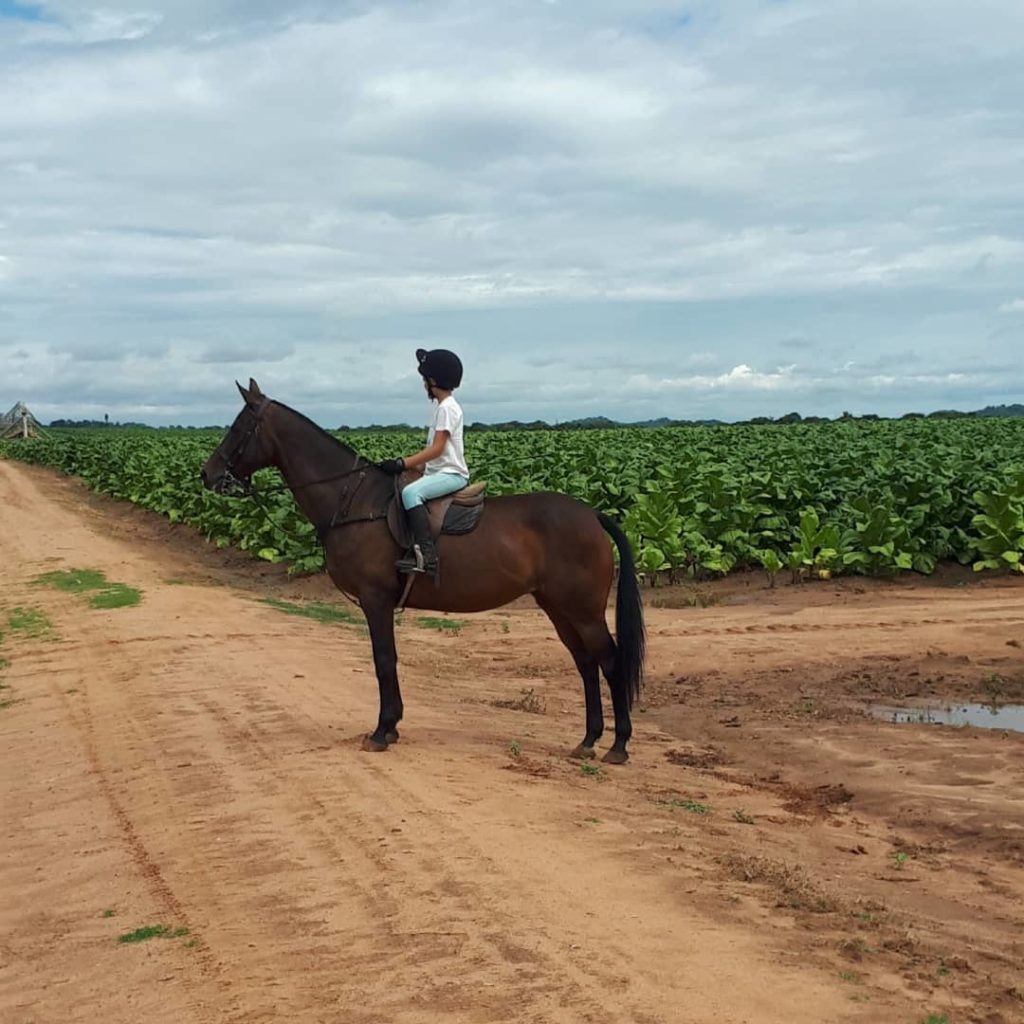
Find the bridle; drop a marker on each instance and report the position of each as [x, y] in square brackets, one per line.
[233, 486]
[230, 485]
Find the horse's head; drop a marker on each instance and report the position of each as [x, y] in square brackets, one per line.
[244, 449]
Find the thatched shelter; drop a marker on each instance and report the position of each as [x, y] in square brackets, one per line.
[19, 422]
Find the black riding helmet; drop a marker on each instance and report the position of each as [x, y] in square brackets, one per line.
[444, 368]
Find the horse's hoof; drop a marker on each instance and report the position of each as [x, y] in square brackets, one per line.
[585, 752]
[391, 736]
[374, 746]
[615, 757]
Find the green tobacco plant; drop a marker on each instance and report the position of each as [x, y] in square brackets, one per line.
[1000, 528]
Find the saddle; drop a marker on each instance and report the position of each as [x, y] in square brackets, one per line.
[455, 513]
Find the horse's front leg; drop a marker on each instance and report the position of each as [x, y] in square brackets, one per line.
[380, 617]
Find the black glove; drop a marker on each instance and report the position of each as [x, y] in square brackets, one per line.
[393, 467]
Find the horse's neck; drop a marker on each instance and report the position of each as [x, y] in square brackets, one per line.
[306, 455]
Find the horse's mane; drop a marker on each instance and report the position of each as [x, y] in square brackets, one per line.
[320, 430]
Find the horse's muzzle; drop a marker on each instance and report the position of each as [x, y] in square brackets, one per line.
[226, 484]
[212, 481]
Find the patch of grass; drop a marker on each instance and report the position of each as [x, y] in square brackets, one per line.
[28, 621]
[527, 701]
[73, 581]
[743, 818]
[442, 625]
[152, 931]
[316, 610]
[92, 581]
[936, 1018]
[514, 750]
[108, 913]
[590, 769]
[851, 976]
[4, 663]
[899, 859]
[687, 805]
[8, 703]
[116, 595]
[144, 934]
[592, 821]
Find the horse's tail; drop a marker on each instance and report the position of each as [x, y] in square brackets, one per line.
[630, 635]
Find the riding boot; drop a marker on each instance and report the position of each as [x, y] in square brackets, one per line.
[423, 556]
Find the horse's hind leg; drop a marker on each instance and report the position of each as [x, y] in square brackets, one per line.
[601, 648]
[588, 670]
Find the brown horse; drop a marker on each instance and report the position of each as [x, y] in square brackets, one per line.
[547, 545]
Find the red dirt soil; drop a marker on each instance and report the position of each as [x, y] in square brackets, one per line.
[770, 854]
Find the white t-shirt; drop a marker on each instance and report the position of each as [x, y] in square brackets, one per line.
[448, 416]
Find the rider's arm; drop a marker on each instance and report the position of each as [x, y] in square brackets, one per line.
[432, 451]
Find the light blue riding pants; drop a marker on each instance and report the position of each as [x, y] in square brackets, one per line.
[431, 485]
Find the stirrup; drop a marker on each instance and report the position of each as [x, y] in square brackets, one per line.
[405, 564]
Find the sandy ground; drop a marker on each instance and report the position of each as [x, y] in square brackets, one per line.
[193, 762]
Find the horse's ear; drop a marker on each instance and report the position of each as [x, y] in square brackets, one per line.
[252, 396]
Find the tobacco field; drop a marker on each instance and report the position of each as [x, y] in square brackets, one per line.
[796, 500]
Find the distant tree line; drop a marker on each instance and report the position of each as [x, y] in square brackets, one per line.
[97, 423]
[93, 424]
[603, 423]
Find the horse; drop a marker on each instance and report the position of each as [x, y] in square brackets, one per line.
[545, 544]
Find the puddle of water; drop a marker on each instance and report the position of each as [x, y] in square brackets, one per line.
[984, 716]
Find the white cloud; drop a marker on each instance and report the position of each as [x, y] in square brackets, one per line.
[1014, 306]
[740, 378]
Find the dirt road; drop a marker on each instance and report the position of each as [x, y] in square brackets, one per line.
[769, 855]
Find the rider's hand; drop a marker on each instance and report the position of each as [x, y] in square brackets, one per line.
[392, 466]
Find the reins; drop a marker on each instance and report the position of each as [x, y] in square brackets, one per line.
[340, 517]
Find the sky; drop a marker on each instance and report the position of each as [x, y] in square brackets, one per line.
[630, 208]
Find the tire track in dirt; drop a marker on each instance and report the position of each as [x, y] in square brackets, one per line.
[162, 893]
[82, 723]
[465, 902]
[77, 658]
[450, 860]
[164, 904]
